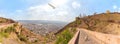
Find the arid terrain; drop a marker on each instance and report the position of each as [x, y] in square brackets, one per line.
[12, 32]
[106, 23]
[102, 28]
[84, 36]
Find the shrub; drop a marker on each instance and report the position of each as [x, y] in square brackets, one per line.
[5, 32]
[35, 41]
[9, 30]
[22, 38]
[0, 38]
[64, 37]
[111, 21]
[73, 30]
[107, 11]
[78, 22]
[2, 34]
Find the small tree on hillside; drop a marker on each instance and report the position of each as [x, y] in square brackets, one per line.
[107, 11]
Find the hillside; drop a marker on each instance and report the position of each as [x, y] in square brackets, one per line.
[42, 27]
[107, 23]
[5, 20]
[84, 36]
[12, 32]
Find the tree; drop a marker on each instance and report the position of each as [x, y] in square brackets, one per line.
[107, 11]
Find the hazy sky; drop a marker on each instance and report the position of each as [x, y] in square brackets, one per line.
[66, 10]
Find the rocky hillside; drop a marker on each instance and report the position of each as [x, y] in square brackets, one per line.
[5, 20]
[107, 23]
[12, 32]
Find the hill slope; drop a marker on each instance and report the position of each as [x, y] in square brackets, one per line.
[92, 37]
[14, 33]
[42, 27]
[107, 23]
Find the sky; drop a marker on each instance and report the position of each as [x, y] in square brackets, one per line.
[65, 10]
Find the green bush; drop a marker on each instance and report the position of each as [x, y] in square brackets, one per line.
[9, 30]
[78, 22]
[5, 33]
[1, 38]
[64, 37]
[22, 38]
[2, 34]
[35, 41]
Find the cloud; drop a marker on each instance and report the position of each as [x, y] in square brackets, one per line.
[19, 11]
[75, 5]
[114, 7]
[58, 15]
[62, 12]
[59, 2]
[45, 12]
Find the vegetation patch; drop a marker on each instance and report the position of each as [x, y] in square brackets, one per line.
[5, 32]
[9, 29]
[22, 38]
[2, 34]
[64, 37]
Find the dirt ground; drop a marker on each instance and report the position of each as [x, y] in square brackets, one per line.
[84, 36]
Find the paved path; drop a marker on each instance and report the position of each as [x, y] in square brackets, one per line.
[84, 36]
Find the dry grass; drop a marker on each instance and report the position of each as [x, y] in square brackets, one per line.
[105, 22]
